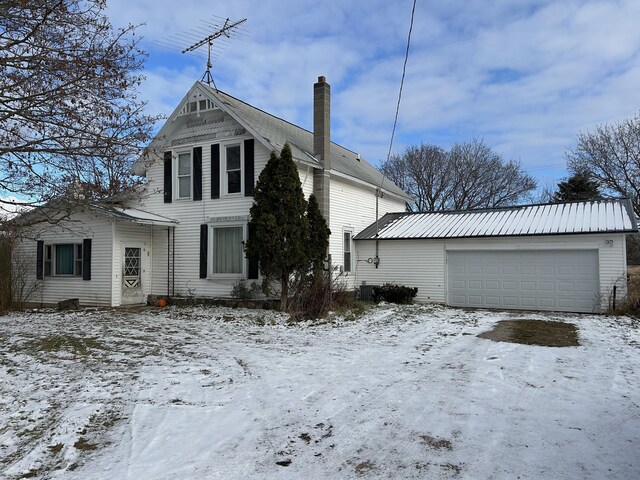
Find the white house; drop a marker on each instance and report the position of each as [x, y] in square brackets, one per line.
[561, 257]
[184, 236]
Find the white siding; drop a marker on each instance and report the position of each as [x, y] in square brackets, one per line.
[353, 207]
[421, 263]
[306, 179]
[190, 215]
[52, 289]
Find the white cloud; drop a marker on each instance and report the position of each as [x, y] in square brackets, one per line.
[527, 76]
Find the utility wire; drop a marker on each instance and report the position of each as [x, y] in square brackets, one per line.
[404, 70]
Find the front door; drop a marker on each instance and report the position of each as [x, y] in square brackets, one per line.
[132, 281]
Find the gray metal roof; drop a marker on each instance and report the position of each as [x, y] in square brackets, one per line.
[598, 216]
[277, 132]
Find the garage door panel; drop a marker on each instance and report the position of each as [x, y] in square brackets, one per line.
[546, 286]
[550, 280]
[528, 269]
[546, 302]
[509, 269]
[566, 287]
[474, 285]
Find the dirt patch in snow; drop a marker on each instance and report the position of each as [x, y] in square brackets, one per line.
[545, 333]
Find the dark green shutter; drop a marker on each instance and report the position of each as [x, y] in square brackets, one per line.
[86, 259]
[168, 172]
[197, 173]
[204, 246]
[215, 170]
[39, 260]
[248, 167]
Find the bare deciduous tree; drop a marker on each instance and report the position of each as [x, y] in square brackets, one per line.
[469, 175]
[611, 155]
[70, 115]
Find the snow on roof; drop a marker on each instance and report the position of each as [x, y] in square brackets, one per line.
[597, 216]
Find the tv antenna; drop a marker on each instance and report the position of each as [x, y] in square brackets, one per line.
[208, 40]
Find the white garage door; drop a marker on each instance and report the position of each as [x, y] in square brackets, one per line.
[563, 280]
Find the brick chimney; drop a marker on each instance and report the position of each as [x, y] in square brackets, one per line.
[322, 143]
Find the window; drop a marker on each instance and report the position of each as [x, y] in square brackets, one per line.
[132, 261]
[346, 247]
[184, 175]
[197, 105]
[228, 254]
[63, 259]
[233, 168]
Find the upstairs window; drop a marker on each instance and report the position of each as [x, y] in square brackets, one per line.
[233, 168]
[184, 175]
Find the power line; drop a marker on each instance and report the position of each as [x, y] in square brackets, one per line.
[404, 70]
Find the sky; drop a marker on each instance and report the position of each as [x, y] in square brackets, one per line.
[526, 76]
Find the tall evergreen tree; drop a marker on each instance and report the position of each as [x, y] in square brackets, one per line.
[580, 186]
[318, 240]
[279, 222]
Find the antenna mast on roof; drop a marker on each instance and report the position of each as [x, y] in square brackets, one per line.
[208, 40]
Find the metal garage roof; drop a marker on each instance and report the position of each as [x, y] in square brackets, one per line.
[598, 216]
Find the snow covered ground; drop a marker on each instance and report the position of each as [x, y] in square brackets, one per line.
[403, 392]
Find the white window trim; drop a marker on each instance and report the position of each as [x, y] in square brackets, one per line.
[350, 232]
[177, 173]
[76, 259]
[223, 167]
[211, 246]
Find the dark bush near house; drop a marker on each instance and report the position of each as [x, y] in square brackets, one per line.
[390, 292]
[314, 298]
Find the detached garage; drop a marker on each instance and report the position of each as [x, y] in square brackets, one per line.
[558, 257]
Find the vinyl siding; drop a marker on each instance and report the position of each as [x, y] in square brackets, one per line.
[190, 215]
[353, 207]
[52, 289]
[422, 263]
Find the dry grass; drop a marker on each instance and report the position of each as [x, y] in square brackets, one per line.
[631, 304]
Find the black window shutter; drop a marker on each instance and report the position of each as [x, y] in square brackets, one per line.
[204, 246]
[168, 195]
[40, 260]
[86, 259]
[252, 274]
[197, 173]
[215, 170]
[248, 167]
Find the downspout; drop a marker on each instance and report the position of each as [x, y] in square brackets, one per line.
[168, 259]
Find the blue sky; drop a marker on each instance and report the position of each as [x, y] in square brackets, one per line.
[526, 75]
